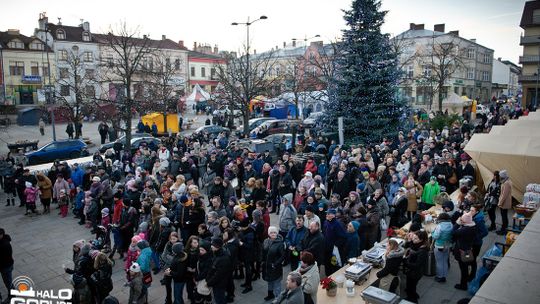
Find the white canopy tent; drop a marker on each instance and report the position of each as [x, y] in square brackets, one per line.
[454, 103]
[196, 96]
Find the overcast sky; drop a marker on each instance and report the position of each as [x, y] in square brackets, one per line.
[494, 23]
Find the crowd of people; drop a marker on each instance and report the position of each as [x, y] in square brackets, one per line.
[194, 215]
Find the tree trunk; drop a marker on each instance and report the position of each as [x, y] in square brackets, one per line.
[440, 94]
[129, 103]
[246, 122]
[165, 122]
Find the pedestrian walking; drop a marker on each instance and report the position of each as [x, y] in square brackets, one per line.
[505, 200]
[70, 129]
[41, 126]
[6, 260]
[103, 130]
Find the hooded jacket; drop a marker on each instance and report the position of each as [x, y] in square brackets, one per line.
[443, 234]
[430, 191]
[45, 186]
[273, 256]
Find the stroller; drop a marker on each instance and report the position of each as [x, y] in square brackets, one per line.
[103, 240]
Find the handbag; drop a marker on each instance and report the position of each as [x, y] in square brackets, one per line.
[383, 224]
[453, 179]
[202, 288]
[466, 256]
[147, 278]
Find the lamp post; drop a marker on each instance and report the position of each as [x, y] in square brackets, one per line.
[248, 71]
[50, 88]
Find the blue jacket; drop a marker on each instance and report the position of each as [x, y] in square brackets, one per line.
[79, 200]
[334, 234]
[353, 245]
[77, 177]
[257, 165]
[322, 170]
[144, 259]
[295, 236]
[443, 234]
[481, 230]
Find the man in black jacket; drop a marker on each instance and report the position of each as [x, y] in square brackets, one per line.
[6, 259]
[313, 242]
[221, 268]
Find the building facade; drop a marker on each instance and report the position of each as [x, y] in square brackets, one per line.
[423, 53]
[25, 70]
[203, 64]
[530, 61]
[505, 79]
[76, 59]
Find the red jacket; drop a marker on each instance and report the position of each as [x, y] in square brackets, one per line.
[118, 206]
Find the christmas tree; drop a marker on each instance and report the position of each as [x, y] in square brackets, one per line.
[366, 84]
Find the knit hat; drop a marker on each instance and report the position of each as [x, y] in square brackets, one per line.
[309, 174]
[85, 249]
[164, 221]
[142, 244]
[257, 213]
[105, 211]
[288, 197]
[356, 225]
[503, 174]
[318, 191]
[136, 239]
[135, 267]
[448, 204]
[178, 248]
[233, 199]
[205, 244]
[361, 186]
[143, 227]
[331, 211]
[353, 193]
[79, 243]
[28, 184]
[310, 208]
[217, 242]
[96, 179]
[466, 220]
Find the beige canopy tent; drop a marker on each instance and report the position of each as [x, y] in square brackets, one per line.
[455, 104]
[514, 147]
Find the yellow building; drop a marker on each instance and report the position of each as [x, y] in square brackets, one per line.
[530, 73]
[25, 70]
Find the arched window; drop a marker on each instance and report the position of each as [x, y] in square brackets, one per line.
[86, 36]
[60, 34]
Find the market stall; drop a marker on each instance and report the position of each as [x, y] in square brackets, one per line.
[172, 121]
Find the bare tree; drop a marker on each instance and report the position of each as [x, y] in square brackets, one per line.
[243, 79]
[122, 68]
[163, 86]
[76, 78]
[441, 60]
[326, 65]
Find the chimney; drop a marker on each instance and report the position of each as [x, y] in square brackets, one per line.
[13, 32]
[294, 43]
[316, 43]
[86, 26]
[144, 36]
[473, 40]
[216, 50]
[500, 58]
[163, 37]
[439, 28]
[59, 21]
[456, 33]
[195, 46]
[43, 20]
[284, 44]
[419, 27]
[412, 26]
[254, 52]
[181, 43]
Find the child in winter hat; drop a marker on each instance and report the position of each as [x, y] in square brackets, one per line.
[132, 254]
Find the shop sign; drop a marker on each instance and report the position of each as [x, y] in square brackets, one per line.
[31, 79]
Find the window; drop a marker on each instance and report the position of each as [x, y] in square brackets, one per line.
[34, 68]
[89, 74]
[16, 68]
[177, 64]
[536, 16]
[45, 69]
[86, 36]
[110, 61]
[470, 73]
[487, 58]
[427, 70]
[203, 72]
[64, 73]
[88, 57]
[36, 45]
[64, 90]
[168, 63]
[150, 64]
[90, 91]
[485, 76]
[213, 73]
[278, 71]
[410, 72]
[470, 53]
[60, 34]
[16, 44]
[314, 71]
[192, 71]
[63, 55]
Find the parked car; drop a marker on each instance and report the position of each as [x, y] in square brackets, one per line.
[212, 130]
[312, 119]
[60, 149]
[121, 140]
[277, 138]
[278, 126]
[255, 122]
[482, 110]
[151, 142]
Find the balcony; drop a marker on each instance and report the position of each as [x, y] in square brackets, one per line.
[528, 78]
[529, 59]
[529, 40]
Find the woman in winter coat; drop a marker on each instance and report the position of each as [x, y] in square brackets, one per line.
[392, 188]
[192, 251]
[481, 232]
[415, 262]
[464, 235]
[398, 209]
[442, 235]
[165, 261]
[388, 276]
[101, 278]
[204, 264]
[373, 226]
[492, 199]
[310, 277]
[178, 271]
[273, 256]
[45, 187]
[505, 200]
[414, 191]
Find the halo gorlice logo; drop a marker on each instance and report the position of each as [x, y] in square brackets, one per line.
[24, 293]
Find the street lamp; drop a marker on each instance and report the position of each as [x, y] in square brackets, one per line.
[248, 72]
[306, 39]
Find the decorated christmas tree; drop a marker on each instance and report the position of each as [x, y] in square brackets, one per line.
[366, 85]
